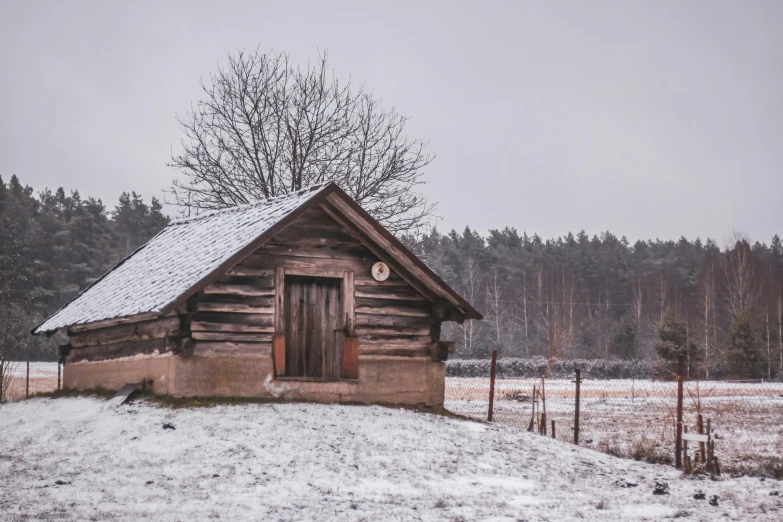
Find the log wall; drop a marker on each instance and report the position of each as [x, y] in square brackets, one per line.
[392, 318]
[107, 340]
[234, 316]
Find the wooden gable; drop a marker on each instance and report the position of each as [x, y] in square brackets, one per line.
[236, 313]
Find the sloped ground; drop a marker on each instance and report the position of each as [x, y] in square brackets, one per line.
[71, 459]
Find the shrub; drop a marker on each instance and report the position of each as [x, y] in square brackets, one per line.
[558, 369]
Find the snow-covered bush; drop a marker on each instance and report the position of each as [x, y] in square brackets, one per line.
[558, 369]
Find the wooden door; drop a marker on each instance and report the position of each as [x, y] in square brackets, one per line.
[314, 337]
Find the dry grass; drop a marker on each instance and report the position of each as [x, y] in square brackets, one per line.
[37, 385]
[636, 419]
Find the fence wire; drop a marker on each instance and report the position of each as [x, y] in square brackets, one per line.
[42, 378]
[636, 418]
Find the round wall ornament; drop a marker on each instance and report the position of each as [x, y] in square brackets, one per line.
[380, 271]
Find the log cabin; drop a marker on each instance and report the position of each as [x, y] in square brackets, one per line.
[300, 297]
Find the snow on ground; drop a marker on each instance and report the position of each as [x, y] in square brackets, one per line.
[74, 459]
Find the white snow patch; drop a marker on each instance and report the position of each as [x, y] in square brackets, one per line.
[652, 511]
[324, 462]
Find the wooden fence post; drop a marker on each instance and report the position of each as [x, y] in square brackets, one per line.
[553, 429]
[576, 406]
[27, 382]
[542, 424]
[492, 385]
[678, 439]
[532, 411]
[702, 447]
[59, 361]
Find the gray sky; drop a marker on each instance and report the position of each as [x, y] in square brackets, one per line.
[650, 119]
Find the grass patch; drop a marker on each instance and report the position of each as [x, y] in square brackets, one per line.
[643, 450]
[100, 393]
[169, 401]
[756, 466]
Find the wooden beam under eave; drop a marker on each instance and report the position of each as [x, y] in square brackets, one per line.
[279, 312]
[386, 245]
[378, 252]
[355, 213]
[83, 327]
[278, 339]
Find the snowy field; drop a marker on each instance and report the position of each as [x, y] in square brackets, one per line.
[633, 416]
[43, 378]
[74, 459]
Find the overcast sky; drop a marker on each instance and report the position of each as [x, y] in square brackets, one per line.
[649, 119]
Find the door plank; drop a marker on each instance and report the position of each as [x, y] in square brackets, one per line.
[311, 316]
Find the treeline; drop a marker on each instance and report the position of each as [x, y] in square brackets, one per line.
[52, 245]
[574, 297]
[601, 297]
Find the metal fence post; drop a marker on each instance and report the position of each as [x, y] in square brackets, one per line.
[492, 385]
[576, 406]
[27, 382]
[678, 440]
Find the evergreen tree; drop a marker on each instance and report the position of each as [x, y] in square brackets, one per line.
[673, 341]
[624, 342]
[52, 247]
[743, 351]
[135, 222]
[672, 337]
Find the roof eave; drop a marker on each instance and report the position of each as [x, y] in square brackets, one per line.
[452, 296]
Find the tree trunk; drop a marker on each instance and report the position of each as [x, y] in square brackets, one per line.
[769, 348]
[706, 335]
[780, 331]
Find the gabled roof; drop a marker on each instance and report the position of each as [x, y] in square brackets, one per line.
[189, 253]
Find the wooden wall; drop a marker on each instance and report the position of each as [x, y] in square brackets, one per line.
[235, 314]
[115, 339]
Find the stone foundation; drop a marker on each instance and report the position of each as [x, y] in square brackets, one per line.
[388, 380]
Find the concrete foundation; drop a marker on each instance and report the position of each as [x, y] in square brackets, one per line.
[388, 380]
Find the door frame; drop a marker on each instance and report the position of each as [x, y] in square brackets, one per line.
[347, 312]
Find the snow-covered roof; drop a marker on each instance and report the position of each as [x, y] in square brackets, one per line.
[172, 262]
[159, 275]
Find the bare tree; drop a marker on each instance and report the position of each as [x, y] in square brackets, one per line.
[7, 365]
[780, 330]
[742, 288]
[708, 283]
[769, 303]
[569, 307]
[469, 288]
[663, 306]
[607, 321]
[523, 298]
[769, 348]
[265, 128]
[496, 308]
[638, 303]
[543, 317]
